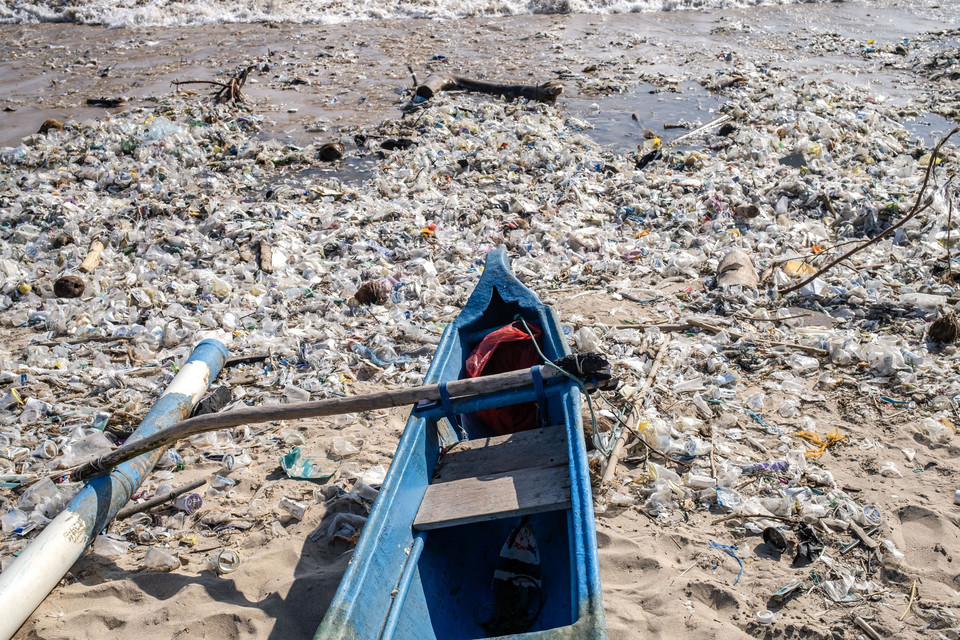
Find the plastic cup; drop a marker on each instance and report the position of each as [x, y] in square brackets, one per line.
[189, 502]
[871, 516]
[227, 561]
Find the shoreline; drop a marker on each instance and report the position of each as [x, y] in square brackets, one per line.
[343, 80]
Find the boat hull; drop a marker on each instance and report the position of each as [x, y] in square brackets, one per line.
[404, 583]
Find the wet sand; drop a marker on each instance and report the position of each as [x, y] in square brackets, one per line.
[334, 78]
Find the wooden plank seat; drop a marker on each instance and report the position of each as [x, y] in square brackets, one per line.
[499, 477]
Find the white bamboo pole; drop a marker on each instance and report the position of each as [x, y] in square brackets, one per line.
[34, 574]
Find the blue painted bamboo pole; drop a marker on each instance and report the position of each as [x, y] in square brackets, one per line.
[33, 575]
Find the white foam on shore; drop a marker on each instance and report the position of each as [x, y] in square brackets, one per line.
[171, 13]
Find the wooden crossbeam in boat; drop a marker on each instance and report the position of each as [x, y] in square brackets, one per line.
[485, 456]
[500, 477]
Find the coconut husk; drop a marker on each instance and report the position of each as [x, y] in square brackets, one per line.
[68, 287]
[373, 292]
[945, 329]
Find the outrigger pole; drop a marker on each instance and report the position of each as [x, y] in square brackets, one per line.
[33, 575]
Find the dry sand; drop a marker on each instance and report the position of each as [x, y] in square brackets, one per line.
[660, 579]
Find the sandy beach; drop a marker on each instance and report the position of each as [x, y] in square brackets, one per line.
[856, 89]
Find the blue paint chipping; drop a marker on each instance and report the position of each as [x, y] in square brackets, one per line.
[403, 584]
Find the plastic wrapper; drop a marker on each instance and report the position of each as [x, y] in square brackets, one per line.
[158, 559]
[345, 526]
[109, 546]
[84, 449]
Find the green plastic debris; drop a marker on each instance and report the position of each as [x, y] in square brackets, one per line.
[786, 592]
[296, 465]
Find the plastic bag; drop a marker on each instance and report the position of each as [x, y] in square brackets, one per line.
[94, 444]
[159, 560]
[110, 546]
[506, 349]
[297, 465]
[345, 526]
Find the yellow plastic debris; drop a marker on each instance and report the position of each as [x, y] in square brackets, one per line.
[798, 269]
[821, 444]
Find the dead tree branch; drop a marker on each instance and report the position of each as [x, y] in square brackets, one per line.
[230, 91]
[918, 207]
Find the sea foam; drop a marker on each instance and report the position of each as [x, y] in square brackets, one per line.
[170, 13]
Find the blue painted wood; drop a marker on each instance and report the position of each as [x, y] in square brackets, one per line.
[437, 585]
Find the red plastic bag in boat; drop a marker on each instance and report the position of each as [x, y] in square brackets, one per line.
[507, 349]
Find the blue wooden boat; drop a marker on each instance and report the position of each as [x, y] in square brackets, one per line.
[457, 496]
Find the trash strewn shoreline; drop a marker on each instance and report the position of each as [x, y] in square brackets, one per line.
[787, 463]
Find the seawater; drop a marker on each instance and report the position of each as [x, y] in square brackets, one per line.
[173, 13]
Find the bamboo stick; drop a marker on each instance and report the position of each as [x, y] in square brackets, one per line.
[691, 323]
[133, 509]
[634, 417]
[802, 347]
[92, 260]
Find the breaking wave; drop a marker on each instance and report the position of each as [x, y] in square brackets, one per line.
[172, 13]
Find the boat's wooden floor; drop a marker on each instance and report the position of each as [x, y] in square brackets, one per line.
[499, 477]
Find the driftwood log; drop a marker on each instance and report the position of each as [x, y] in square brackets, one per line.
[546, 92]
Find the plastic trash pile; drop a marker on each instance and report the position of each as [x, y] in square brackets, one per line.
[208, 225]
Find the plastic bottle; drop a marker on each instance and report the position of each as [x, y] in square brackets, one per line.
[696, 447]
[696, 481]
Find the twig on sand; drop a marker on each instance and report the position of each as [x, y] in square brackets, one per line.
[685, 571]
[649, 515]
[913, 595]
[660, 454]
[802, 347]
[690, 323]
[733, 516]
[918, 207]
